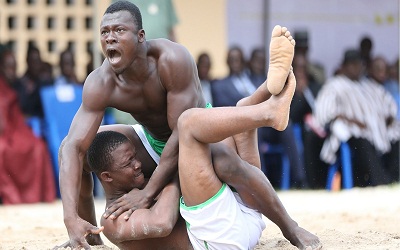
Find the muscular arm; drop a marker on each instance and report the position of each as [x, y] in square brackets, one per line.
[157, 221]
[178, 75]
[76, 196]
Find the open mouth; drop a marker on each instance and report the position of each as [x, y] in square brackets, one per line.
[113, 56]
[139, 174]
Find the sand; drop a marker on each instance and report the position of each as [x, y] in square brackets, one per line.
[359, 218]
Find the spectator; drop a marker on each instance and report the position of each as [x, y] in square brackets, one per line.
[203, 68]
[47, 73]
[314, 70]
[365, 48]
[28, 86]
[301, 113]
[67, 68]
[229, 90]
[25, 170]
[392, 84]
[361, 112]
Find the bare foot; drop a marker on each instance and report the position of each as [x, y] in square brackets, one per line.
[304, 240]
[281, 51]
[279, 105]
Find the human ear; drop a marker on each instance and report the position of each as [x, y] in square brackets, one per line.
[105, 176]
[141, 36]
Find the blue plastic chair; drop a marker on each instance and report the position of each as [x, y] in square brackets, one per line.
[276, 151]
[59, 107]
[344, 163]
[35, 123]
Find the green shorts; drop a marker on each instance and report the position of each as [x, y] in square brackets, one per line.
[158, 145]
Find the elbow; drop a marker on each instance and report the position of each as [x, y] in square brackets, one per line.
[165, 227]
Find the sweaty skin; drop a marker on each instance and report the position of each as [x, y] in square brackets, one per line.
[155, 81]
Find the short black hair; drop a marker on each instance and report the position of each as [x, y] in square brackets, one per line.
[128, 6]
[99, 153]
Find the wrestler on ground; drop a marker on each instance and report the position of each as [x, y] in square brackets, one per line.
[156, 81]
[113, 158]
[223, 221]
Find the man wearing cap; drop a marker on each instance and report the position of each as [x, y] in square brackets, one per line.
[360, 112]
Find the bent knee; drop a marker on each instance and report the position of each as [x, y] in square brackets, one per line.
[227, 163]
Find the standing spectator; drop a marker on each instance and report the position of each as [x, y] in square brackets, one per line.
[361, 112]
[26, 174]
[229, 90]
[314, 69]
[392, 84]
[301, 110]
[28, 87]
[365, 48]
[203, 68]
[67, 68]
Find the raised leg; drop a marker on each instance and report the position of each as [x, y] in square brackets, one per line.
[281, 52]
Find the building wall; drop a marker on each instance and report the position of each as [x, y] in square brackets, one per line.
[48, 29]
[201, 28]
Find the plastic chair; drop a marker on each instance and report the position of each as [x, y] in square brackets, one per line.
[278, 150]
[59, 106]
[344, 163]
[35, 123]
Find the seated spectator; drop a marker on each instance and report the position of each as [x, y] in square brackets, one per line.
[301, 110]
[67, 68]
[28, 86]
[26, 174]
[361, 112]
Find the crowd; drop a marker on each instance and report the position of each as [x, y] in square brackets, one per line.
[358, 105]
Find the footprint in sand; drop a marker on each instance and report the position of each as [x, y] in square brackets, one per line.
[281, 51]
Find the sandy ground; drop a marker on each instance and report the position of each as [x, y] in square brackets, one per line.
[364, 219]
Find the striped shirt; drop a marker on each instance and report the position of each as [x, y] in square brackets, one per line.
[364, 101]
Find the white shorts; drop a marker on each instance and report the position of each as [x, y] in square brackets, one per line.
[139, 131]
[222, 222]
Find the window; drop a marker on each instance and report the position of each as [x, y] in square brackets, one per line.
[51, 23]
[89, 2]
[12, 45]
[50, 2]
[30, 22]
[89, 46]
[10, 1]
[71, 46]
[88, 23]
[32, 44]
[30, 2]
[69, 2]
[12, 22]
[51, 46]
[69, 23]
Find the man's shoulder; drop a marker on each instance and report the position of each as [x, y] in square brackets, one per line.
[100, 77]
[165, 50]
